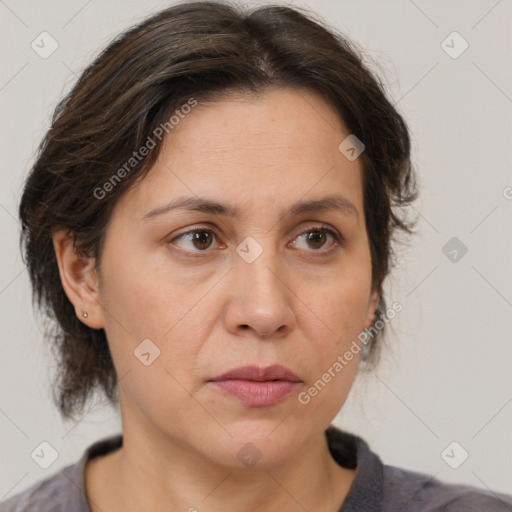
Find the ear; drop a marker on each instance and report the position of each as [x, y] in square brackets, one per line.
[79, 280]
[372, 307]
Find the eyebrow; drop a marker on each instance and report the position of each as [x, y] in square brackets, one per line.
[333, 202]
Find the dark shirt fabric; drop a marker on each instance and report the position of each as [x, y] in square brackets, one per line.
[376, 487]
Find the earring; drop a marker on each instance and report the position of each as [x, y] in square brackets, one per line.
[85, 314]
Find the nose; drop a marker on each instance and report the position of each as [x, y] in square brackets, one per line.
[260, 299]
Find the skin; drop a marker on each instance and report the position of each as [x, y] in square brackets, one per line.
[211, 311]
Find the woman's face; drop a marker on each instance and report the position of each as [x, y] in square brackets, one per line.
[261, 287]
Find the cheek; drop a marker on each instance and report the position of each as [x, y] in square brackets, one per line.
[141, 304]
[338, 301]
[334, 363]
[143, 296]
[337, 307]
[324, 395]
[146, 299]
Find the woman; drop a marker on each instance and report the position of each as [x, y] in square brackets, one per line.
[209, 220]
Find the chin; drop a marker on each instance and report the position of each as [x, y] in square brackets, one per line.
[257, 445]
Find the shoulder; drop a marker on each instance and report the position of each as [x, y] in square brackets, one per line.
[385, 488]
[64, 491]
[410, 490]
[47, 495]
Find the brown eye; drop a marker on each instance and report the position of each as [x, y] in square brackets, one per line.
[317, 239]
[202, 239]
[198, 239]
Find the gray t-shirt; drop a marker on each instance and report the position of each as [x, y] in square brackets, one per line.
[376, 487]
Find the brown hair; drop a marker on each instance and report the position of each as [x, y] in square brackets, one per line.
[194, 50]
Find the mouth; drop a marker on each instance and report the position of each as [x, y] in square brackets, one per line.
[258, 387]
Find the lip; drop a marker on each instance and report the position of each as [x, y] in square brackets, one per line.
[258, 387]
[259, 374]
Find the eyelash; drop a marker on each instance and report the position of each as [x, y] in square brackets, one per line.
[323, 229]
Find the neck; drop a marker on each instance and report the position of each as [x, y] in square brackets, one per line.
[145, 477]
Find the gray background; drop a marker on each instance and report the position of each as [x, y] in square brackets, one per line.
[447, 373]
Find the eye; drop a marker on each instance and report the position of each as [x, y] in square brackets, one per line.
[317, 237]
[198, 239]
[201, 239]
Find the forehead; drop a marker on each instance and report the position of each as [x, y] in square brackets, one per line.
[266, 150]
[278, 119]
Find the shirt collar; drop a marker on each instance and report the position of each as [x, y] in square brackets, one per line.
[351, 451]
